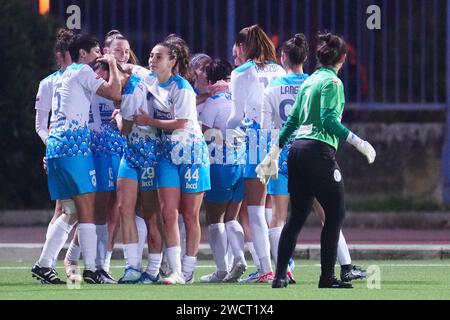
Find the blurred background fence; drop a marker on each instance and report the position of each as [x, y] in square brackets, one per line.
[400, 66]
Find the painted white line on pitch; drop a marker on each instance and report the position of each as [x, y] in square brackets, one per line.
[205, 246]
[296, 266]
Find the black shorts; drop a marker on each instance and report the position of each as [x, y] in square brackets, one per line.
[312, 166]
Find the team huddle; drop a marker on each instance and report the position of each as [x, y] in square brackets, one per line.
[144, 147]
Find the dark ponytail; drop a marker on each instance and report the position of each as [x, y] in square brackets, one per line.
[63, 39]
[296, 49]
[179, 50]
[178, 53]
[330, 49]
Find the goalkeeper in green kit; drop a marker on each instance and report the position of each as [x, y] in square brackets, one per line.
[312, 167]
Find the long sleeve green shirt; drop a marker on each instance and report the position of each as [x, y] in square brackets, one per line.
[317, 111]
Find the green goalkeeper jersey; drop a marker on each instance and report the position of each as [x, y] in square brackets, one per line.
[317, 111]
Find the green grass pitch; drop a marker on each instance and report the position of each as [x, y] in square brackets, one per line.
[412, 279]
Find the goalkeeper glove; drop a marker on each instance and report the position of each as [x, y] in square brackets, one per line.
[268, 168]
[362, 146]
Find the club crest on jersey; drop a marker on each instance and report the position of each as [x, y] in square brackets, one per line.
[337, 175]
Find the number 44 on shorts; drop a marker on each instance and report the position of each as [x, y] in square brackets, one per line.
[191, 179]
[188, 175]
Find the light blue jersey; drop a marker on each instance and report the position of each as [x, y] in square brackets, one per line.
[106, 138]
[139, 159]
[248, 82]
[69, 132]
[107, 144]
[247, 85]
[147, 77]
[227, 182]
[279, 98]
[44, 95]
[215, 114]
[70, 166]
[43, 104]
[183, 159]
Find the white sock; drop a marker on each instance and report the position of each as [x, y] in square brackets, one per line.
[255, 257]
[107, 263]
[173, 255]
[235, 235]
[142, 236]
[57, 237]
[218, 242]
[229, 256]
[182, 228]
[131, 255]
[49, 230]
[50, 226]
[188, 265]
[102, 243]
[154, 263]
[260, 235]
[88, 244]
[73, 253]
[274, 238]
[343, 254]
[268, 214]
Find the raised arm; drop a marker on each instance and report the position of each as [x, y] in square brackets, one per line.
[111, 89]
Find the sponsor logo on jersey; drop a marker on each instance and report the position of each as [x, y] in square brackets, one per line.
[93, 177]
[148, 183]
[106, 109]
[111, 177]
[162, 115]
[192, 186]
